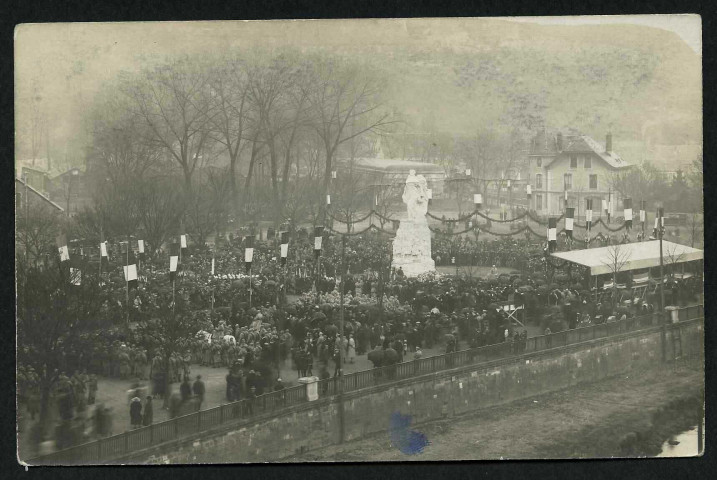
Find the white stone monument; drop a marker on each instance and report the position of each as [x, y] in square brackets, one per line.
[412, 245]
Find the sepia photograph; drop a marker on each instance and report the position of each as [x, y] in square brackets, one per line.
[359, 240]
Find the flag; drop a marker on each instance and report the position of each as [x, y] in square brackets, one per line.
[642, 212]
[569, 218]
[183, 241]
[478, 199]
[627, 205]
[173, 260]
[589, 212]
[318, 237]
[130, 268]
[248, 251]
[552, 233]
[62, 247]
[104, 255]
[76, 270]
[284, 247]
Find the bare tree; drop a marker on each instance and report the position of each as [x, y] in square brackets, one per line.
[230, 113]
[173, 101]
[616, 257]
[338, 96]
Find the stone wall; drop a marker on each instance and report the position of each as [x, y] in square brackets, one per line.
[312, 426]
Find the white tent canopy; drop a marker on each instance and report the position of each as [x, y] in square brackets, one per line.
[635, 256]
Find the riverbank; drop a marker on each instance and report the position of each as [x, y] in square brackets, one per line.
[591, 421]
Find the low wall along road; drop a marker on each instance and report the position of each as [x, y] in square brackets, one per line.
[278, 429]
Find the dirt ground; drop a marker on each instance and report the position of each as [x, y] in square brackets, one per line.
[587, 421]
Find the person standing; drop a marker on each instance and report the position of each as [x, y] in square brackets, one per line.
[185, 389]
[199, 390]
[135, 412]
[351, 350]
[92, 389]
[148, 413]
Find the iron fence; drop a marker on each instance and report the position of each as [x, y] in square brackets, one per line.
[123, 444]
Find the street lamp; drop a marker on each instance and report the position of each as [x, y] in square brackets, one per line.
[660, 233]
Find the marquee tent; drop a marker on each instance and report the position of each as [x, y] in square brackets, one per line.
[636, 256]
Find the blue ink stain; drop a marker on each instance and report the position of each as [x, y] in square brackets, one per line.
[409, 442]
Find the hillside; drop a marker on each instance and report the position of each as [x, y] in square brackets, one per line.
[447, 75]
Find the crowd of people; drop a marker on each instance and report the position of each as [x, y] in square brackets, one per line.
[248, 326]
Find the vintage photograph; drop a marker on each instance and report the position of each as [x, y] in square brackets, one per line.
[359, 240]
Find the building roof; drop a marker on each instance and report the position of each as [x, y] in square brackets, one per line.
[636, 256]
[395, 165]
[39, 165]
[23, 185]
[544, 144]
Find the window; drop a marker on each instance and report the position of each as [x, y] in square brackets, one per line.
[539, 162]
[588, 162]
[573, 161]
[568, 180]
[538, 181]
[539, 202]
[593, 182]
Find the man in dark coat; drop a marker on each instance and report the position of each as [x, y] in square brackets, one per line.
[148, 414]
[199, 390]
[185, 389]
[135, 412]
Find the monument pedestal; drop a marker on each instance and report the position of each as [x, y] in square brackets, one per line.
[412, 248]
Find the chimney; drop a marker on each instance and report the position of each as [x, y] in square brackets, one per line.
[560, 142]
[608, 143]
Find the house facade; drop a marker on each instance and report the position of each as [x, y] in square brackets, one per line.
[573, 167]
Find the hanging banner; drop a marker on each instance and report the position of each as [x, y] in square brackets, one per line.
[103, 249]
[328, 199]
[183, 241]
[212, 266]
[569, 218]
[478, 199]
[284, 250]
[468, 172]
[529, 190]
[140, 246]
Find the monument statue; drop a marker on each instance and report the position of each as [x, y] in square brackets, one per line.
[412, 245]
